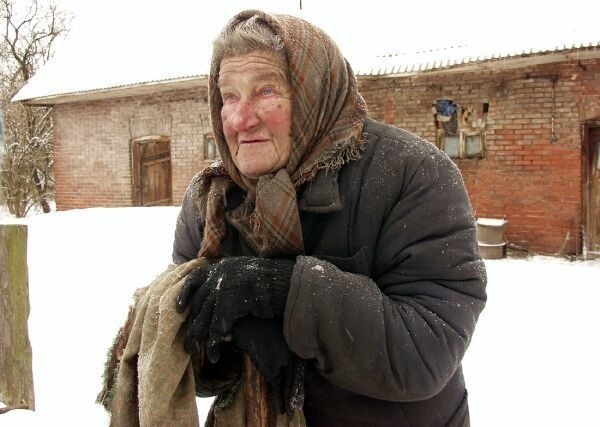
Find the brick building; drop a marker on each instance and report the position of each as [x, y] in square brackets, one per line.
[136, 150]
[528, 147]
[522, 127]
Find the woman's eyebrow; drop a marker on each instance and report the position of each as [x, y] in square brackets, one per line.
[269, 76]
[258, 77]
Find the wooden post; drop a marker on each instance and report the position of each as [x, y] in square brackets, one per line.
[16, 380]
[256, 397]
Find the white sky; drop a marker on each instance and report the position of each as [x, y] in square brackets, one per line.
[115, 42]
[377, 25]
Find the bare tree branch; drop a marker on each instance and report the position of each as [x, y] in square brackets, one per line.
[26, 167]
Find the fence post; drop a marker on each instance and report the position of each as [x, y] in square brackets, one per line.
[16, 380]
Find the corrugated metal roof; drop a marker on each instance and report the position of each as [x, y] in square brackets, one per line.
[67, 81]
[457, 56]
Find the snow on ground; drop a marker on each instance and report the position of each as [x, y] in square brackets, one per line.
[535, 356]
[83, 268]
[533, 360]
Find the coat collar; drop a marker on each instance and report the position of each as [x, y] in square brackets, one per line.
[322, 195]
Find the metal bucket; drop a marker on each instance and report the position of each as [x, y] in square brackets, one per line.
[490, 238]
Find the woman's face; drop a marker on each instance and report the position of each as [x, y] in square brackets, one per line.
[256, 112]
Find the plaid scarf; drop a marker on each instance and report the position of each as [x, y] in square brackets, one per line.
[327, 120]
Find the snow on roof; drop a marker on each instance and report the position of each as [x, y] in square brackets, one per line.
[120, 51]
[454, 57]
[66, 77]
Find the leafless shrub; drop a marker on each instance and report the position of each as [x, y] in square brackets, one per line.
[26, 164]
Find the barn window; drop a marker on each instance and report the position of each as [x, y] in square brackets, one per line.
[210, 148]
[460, 129]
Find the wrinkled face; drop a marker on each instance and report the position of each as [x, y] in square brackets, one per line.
[256, 112]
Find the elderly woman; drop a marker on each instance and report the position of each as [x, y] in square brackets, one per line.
[344, 248]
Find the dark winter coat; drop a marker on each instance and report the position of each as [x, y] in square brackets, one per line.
[384, 303]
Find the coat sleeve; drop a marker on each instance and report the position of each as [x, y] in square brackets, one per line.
[189, 228]
[400, 334]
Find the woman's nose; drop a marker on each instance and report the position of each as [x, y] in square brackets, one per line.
[244, 116]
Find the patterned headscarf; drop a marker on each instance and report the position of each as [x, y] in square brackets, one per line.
[327, 120]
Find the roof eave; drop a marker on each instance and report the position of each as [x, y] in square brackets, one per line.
[504, 63]
[117, 91]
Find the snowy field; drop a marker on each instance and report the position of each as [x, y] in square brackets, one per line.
[534, 360]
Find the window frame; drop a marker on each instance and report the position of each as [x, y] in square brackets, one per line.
[209, 141]
[462, 132]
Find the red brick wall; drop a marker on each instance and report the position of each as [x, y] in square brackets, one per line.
[533, 182]
[92, 146]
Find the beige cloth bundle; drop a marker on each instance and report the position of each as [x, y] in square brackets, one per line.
[149, 378]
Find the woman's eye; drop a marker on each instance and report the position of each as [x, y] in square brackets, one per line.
[266, 91]
[227, 97]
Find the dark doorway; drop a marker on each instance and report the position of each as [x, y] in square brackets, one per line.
[591, 189]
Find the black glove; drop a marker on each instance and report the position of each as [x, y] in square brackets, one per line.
[214, 378]
[232, 288]
[262, 340]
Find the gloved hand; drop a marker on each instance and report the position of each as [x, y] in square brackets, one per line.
[232, 288]
[262, 340]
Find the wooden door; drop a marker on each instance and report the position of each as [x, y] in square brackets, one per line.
[151, 167]
[593, 190]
